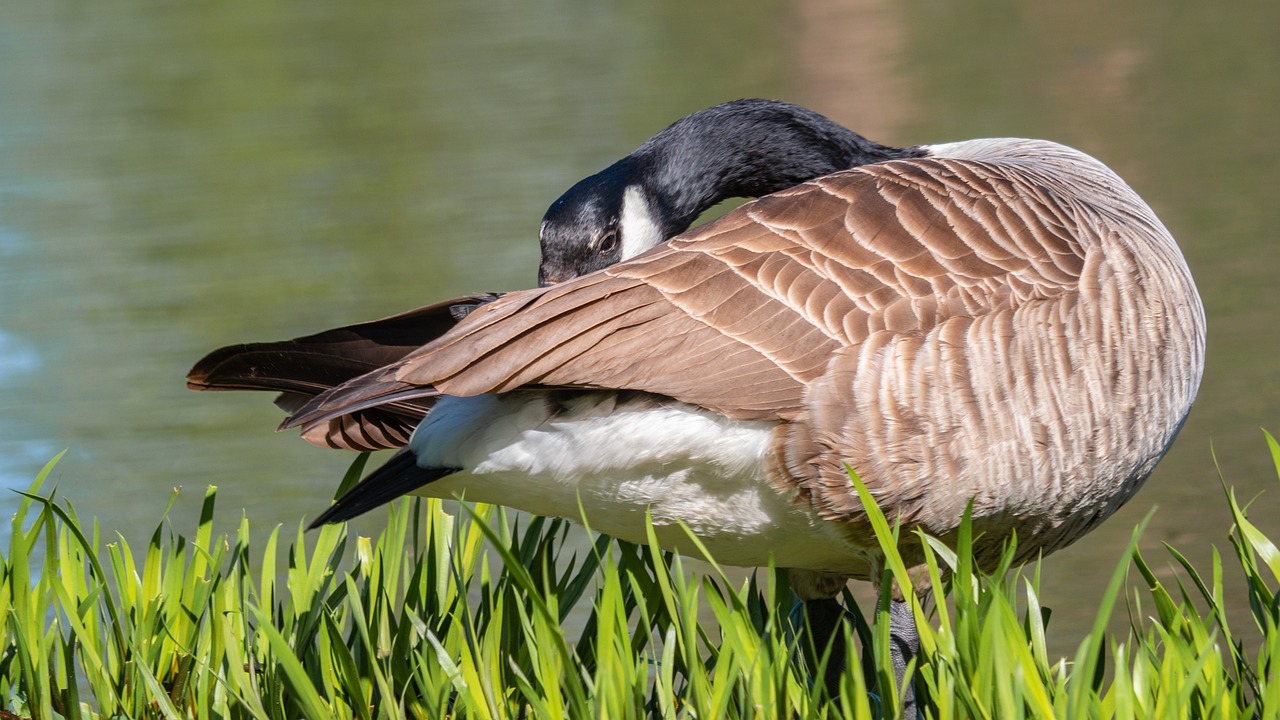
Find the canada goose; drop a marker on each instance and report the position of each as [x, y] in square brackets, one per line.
[996, 321]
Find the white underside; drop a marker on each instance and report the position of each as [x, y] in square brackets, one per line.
[617, 461]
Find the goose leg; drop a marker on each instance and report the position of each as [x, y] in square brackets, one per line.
[825, 616]
[904, 644]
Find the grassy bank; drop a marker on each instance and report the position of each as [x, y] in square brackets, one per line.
[462, 617]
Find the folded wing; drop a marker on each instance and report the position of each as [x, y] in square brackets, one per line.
[742, 315]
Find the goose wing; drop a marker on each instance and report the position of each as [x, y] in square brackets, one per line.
[742, 315]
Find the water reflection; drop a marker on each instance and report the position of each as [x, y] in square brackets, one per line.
[17, 358]
[174, 178]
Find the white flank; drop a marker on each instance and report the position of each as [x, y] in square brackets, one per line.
[678, 462]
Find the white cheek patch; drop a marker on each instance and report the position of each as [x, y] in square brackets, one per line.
[639, 229]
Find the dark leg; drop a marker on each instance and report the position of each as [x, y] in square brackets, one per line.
[826, 618]
[904, 644]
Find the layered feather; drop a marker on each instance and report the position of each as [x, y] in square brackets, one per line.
[1009, 325]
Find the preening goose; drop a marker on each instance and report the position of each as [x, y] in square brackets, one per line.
[1004, 321]
[996, 321]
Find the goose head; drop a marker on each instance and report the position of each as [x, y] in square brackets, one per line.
[743, 148]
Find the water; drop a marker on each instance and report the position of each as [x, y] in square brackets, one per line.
[178, 177]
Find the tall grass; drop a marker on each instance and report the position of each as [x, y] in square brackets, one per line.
[464, 616]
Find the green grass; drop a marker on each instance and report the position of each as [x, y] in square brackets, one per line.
[463, 617]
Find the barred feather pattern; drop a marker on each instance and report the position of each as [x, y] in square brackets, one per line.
[1005, 322]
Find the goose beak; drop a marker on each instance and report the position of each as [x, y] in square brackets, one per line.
[546, 278]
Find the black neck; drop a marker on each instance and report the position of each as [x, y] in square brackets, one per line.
[744, 148]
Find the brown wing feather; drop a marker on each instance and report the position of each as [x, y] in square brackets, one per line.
[740, 316]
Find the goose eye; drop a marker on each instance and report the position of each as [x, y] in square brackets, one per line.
[609, 243]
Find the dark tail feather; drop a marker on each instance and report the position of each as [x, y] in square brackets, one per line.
[302, 368]
[399, 476]
[312, 364]
[373, 429]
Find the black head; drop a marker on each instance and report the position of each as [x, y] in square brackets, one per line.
[579, 232]
[605, 218]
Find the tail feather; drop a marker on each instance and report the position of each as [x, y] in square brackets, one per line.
[399, 476]
[367, 392]
[303, 368]
[364, 431]
[314, 363]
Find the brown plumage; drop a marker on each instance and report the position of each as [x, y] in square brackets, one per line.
[1011, 326]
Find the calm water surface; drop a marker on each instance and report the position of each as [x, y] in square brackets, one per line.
[178, 177]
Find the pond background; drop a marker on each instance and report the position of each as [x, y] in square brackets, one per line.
[176, 177]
